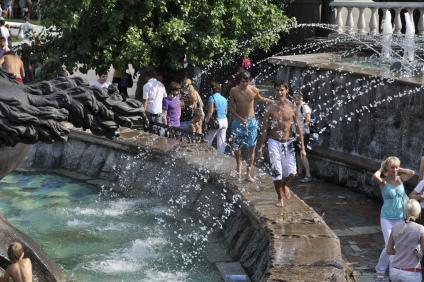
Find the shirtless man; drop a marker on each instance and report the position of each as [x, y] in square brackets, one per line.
[244, 125]
[14, 65]
[280, 144]
[20, 268]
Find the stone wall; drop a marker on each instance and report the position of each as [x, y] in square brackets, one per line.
[271, 244]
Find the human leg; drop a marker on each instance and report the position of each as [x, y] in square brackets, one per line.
[278, 188]
[250, 162]
[285, 188]
[252, 136]
[383, 261]
[238, 135]
[221, 136]
[237, 154]
[210, 135]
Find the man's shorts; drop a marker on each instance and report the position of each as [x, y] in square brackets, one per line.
[282, 158]
[244, 136]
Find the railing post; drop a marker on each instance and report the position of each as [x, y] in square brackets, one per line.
[398, 22]
[349, 22]
[361, 21]
[421, 22]
[374, 21]
[340, 21]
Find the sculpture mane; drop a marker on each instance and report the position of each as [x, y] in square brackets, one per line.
[29, 114]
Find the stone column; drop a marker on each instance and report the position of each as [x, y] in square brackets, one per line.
[398, 22]
[374, 21]
[361, 21]
[420, 26]
[340, 21]
[349, 21]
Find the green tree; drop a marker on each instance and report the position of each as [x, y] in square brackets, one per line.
[97, 33]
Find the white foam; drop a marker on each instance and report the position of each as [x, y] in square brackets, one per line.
[111, 266]
[160, 276]
[86, 211]
[120, 207]
[146, 248]
[116, 227]
[77, 223]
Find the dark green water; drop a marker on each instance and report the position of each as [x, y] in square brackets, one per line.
[98, 237]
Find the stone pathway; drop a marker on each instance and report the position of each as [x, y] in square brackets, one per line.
[353, 217]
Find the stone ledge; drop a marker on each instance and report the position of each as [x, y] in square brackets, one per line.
[259, 235]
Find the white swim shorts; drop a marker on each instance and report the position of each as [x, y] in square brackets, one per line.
[283, 158]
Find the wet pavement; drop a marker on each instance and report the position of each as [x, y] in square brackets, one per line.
[353, 217]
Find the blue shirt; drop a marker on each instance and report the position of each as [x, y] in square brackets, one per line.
[393, 196]
[220, 104]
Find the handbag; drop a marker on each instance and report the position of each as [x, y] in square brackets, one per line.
[213, 121]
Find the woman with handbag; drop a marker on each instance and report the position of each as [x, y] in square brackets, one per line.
[216, 118]
[192, 108]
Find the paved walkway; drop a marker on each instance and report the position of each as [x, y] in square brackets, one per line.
[353, 217]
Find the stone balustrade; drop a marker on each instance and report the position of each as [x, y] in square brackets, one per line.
[362, 17]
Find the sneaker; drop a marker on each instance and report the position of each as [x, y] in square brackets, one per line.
[306, 179]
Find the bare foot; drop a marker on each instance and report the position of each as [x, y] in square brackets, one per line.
[280, 203]
[250, 179]
[287, 193]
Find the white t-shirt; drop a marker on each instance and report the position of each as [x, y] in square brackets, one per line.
[97, 84]
[303, 110]
[5, 33]
[419, 189]
[154, 92]
[27, 29]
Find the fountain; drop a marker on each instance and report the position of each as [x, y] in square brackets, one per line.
[409, 42]
[268, 244]
[29, 114]
[386, 53]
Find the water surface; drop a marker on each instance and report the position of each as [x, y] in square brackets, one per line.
[98, 236]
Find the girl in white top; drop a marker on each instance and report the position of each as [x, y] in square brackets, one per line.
[405, 244]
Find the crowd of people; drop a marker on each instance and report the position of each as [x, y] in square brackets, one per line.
[11, 9]
[285, 121]
[9, 60]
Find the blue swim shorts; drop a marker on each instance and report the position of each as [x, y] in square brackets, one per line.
[244, 136]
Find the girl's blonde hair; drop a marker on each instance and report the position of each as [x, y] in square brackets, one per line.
[412, 210]
[387, 163]
[191, 91]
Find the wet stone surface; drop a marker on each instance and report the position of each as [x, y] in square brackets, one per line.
[353, 217]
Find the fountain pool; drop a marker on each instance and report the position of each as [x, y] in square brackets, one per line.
[99, 236]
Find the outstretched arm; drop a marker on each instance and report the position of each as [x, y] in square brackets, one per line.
[260, 98]
[264, 133]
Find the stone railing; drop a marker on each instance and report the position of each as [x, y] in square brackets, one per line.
[363, 17]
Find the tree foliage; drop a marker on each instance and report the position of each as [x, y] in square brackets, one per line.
[97, 33]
